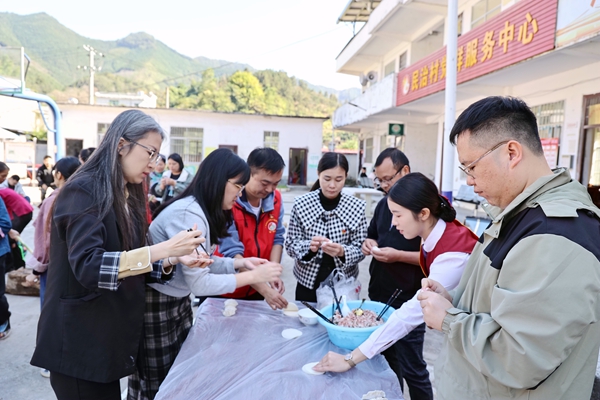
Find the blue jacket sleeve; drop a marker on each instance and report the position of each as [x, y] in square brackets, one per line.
[5, 223]
[280, 234]
[232, 246]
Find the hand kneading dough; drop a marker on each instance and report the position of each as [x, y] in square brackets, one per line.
[229, 311]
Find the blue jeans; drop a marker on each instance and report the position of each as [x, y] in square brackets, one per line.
[406, 360]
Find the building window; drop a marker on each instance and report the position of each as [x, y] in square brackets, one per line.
[390, 68]
[459, 25]
[369, 150]
[550, 118]
[187, 142]
[383, 144]
[402, 61]
[102, 128]
[113, 103]
[271, 140]
[484, 10]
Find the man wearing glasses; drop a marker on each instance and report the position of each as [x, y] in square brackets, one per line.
[395, 264]
[258, 229]
[523, 321]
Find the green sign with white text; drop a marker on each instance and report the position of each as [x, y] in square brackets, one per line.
[396, 130]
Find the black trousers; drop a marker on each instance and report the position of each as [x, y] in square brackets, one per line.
[310, 295]
[4, 313]
[69, 388]
[406, 360]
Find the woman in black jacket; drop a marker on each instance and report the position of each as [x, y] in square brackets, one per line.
[91, 322]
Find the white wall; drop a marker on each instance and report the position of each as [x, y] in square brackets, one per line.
[420, 147]
[244, 130]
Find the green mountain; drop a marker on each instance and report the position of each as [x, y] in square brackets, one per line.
[135, 62]
[56, 52]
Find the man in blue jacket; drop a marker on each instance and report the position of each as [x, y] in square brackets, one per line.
[258, 229]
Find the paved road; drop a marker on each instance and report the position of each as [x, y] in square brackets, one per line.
[21, 381]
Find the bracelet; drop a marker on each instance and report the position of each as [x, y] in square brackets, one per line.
[36, 272]
[168, 270]
[169, 261]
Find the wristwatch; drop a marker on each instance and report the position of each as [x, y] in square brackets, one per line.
[348, 359]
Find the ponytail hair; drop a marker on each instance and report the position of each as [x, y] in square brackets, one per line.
[415, 192]
[328, 161]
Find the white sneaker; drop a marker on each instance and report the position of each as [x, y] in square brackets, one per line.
[45, 373]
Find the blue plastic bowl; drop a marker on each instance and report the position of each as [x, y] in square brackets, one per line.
[351, 338]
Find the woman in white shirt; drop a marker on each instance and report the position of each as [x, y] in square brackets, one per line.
[418, 210]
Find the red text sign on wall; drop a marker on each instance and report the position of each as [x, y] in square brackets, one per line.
[522, 31]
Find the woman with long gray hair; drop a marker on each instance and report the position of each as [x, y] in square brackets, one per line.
[91, 321]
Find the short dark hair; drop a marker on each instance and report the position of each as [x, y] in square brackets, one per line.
[398, 158]
[47, 157]
[328, 161]
[208, 188]
[67, 166]
[177, 158]
[15, 178]
[498, 118]
[265, 158]
[163, 158]
[415, 192]
[3, 167]
[86, 153]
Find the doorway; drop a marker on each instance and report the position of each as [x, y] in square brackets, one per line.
[590, 161]
[232, 147]
[74, 147]
[297, 167]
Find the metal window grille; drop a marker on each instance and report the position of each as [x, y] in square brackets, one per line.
[369, 150]
[484, 10]
[188, 143]
[402, 61]
[102, 128]
[550, 118]
[271, 140]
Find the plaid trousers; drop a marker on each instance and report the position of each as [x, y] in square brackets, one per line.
[167, 322]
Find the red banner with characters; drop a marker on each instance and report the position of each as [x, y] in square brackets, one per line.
[522, 31]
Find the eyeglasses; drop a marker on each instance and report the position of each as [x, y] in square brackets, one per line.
[468, 169]
[153, 155]
[237, 185]
[386, 181]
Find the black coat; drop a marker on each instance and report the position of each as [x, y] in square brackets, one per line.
[386, 277]
[86, 332]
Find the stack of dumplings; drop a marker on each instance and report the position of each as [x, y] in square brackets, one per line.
[230, 307]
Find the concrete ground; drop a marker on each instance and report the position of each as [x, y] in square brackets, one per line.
[21, 381]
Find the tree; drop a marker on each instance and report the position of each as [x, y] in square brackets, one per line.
[247, 93]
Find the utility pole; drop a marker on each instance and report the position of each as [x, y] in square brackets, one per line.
[92, 68]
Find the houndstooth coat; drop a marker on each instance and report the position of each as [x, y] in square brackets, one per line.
[346, 225]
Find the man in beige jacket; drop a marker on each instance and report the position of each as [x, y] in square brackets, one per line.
[523, 321]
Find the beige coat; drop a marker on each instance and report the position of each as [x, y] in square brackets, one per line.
[525, 322]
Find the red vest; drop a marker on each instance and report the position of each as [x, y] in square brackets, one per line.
[456, 238]
[257, 237]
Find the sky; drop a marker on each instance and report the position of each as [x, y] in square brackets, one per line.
[300, 37]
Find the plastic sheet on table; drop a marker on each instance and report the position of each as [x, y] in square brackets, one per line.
[245, 357]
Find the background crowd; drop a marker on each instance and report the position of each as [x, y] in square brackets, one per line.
[118, 255]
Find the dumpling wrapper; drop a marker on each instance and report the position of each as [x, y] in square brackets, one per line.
[291, 307]
[290, 313]
[230, 302]
[291, 333]
[229, 311]
[308, 368]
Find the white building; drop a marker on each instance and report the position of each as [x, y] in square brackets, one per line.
[195, 133]
[546, 52]
[139, 99]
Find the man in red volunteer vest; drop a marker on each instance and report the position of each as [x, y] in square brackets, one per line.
[258, 229]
